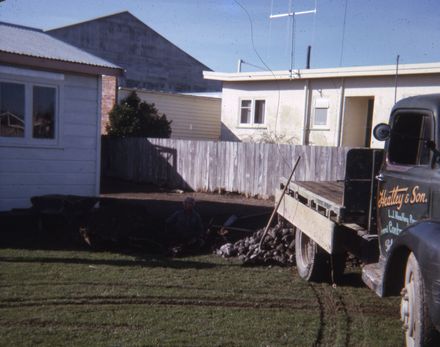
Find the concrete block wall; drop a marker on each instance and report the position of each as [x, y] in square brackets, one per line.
[151, 61]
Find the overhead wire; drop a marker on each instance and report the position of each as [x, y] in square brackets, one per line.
[251, 25]
[343, 33]
[270, 32]
[314, 24]
[292, 48]
[253, 65]
[289, 28]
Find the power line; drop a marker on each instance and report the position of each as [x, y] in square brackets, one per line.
[343, 33]
[273, 74]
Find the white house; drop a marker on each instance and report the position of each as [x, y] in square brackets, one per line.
[335, 107]
[194, 116]
[49, 117]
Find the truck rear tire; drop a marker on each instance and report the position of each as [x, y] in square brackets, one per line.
[312, 262]
[419, 331]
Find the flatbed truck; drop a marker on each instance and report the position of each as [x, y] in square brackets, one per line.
[386, 212]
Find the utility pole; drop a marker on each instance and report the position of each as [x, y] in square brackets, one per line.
[292, 15]
[397, 75]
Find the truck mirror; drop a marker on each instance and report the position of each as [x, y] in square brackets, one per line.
[382, 132]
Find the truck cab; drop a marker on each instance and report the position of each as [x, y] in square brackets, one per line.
[408, 211]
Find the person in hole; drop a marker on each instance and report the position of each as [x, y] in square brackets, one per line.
[185, 227]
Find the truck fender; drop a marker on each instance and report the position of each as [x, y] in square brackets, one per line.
[423, 239]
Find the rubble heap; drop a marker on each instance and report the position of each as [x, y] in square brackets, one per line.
[278, 247]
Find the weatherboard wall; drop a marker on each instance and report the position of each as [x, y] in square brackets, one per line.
[193, 117]
[71, 164]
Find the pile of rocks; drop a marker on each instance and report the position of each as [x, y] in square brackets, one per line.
[278, 247]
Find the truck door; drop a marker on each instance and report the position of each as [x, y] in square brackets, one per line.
[404, 188]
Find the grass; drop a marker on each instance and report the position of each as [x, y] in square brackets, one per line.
[80, 298]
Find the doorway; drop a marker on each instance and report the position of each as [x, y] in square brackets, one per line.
[357, 123]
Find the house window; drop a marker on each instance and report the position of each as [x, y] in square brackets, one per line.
[321, 112]
[43, 113]
[252, 112]
[246, 107]
[27, 111]
[11, 109]
[320, 116]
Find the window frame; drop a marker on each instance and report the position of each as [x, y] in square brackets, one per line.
[31, 80]
[252, 123]
[393, 165]
[321, 103]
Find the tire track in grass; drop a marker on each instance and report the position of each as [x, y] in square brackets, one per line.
[347, 316]
[45, 323]
[331, 306]
[320, 331]
[160, 300]
[356, 310]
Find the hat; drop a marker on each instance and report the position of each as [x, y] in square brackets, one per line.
[189, 200]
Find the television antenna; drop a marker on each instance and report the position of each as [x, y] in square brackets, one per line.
[291, 14]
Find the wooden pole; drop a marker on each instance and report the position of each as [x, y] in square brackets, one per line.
[278, 204]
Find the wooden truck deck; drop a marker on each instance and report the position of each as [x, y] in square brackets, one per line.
[325, 197]
[325, 211]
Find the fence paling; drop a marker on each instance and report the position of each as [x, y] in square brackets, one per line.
[249, 168]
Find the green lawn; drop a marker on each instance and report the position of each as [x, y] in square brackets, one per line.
[80, 298]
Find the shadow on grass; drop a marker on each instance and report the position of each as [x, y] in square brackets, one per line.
[145, 261]
[351, 279]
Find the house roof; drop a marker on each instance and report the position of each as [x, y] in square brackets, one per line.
[32, 47]
[304, 74]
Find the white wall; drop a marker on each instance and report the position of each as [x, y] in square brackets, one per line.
[289, 97]
[284, 109]
[194, 117]
[69, 165]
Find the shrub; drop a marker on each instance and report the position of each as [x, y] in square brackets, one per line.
[136, 118]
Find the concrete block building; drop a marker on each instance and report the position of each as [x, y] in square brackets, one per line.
[151, 62]
[326, 107]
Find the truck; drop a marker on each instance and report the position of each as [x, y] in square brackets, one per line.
[386, 212]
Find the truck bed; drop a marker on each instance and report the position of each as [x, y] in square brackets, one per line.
[337, 215]
[330, 192]
[325, 197]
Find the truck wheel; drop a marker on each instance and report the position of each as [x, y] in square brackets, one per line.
[417, 325]
[312, 262]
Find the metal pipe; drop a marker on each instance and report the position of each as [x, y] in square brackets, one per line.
[306, 119]
[239, 65]
[309, 49]
[341, 113]
[395, 81]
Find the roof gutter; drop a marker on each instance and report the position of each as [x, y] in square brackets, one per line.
[346, 72]
[57, 65]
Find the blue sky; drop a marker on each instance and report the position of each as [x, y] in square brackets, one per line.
[217, 32]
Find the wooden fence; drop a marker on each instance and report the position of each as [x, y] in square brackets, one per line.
[253, 169]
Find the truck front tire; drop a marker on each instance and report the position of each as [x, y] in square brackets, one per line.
[417, 325]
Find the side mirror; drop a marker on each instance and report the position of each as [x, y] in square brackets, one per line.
[382, 132]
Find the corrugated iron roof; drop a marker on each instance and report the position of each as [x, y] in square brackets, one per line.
[33, 42]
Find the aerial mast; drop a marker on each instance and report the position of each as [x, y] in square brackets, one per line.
[292, 15]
